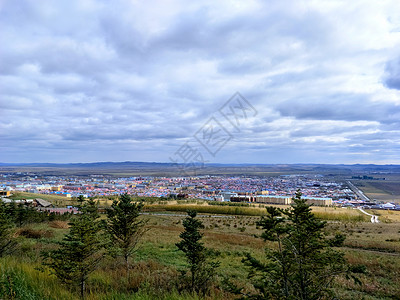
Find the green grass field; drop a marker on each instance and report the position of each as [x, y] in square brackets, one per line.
[56, 200]
[158, 261]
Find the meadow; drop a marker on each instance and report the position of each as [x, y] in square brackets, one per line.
[229, 232]
[381, 190]
[154, 204]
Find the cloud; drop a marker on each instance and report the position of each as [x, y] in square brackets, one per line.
[392, 76]
[349, 107]
[80, 78]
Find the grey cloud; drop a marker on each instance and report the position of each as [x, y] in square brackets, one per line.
[392, 74]
[98, 134]
[379, 137]
[328, 130]
[123, 36]
[340, 107]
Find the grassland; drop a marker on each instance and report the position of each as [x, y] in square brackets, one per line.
[156, 205]
[381, 190]
[168, 169]
[158, 261]
[55, 199]
[329, 213]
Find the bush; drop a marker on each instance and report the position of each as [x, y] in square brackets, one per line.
[34, 234]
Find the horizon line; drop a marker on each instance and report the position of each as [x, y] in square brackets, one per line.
[205, 164]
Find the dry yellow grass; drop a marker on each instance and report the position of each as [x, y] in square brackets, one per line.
[59, 224]
[387, 215]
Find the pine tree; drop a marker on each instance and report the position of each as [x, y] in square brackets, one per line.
[25, 214]
[124, 226]
[11, 209]
[81, 249]
[201, 271]
[7, 242]
[304, 264]
[21, 214]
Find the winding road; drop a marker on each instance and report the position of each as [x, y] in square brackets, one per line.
[374, 219]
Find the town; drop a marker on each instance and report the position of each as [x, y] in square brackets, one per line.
[319, 190]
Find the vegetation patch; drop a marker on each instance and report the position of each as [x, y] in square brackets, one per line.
[59, 224]
[156, 266]
[34, 234]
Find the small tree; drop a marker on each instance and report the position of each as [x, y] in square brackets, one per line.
[303, 264]
[25, 214]
[80, 250]
[21, 214]
[124, 226]
[7, 242]
[201, 271]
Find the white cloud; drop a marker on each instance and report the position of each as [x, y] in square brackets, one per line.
[80, 78]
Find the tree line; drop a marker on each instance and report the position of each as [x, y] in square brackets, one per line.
[303, 265]
[14, 215]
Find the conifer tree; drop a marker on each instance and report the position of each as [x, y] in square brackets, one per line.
[125, 227]
[202, 272]
[11, 209]
[7, 242]
[21, 215]
[303, 264]
[81, 249]
[25, 214]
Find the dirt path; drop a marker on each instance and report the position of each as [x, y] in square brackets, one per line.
[374, 219]
[372, 251]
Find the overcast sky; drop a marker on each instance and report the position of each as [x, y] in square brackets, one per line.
[86, 80]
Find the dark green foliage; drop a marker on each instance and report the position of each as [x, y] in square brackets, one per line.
[303, 265]
[202, 272]
[81, 249]
[22, 214]
[124, 226]
[7, 242]
[80, 200]
[89, 207]
[337, 240]
[358, 269]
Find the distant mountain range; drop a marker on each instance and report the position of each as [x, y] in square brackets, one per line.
[158, 168]
[85, 165]
[161, 164]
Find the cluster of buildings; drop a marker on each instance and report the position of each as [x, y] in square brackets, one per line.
[31, 202]
[318, 189]
[282, 200]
